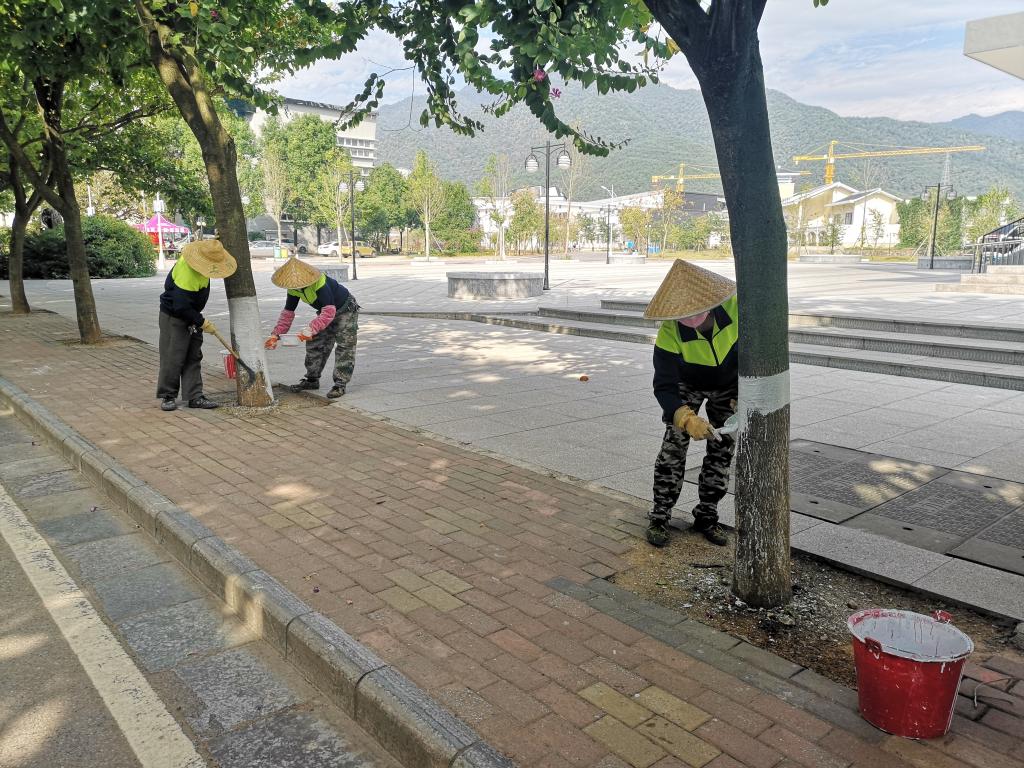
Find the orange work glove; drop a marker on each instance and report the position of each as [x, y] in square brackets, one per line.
[692, 424]
[306, 334]
[271, 343]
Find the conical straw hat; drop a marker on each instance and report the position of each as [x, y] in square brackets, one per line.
[209, 258]
[295, 274]
[688, 290]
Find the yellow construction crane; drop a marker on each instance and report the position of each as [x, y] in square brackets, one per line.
[831, 155]
[682, 177]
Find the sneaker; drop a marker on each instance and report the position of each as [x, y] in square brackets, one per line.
[336, 391]
[304, 384]
[713, 532]
[202, 402]
[657, 533]
[169, 404]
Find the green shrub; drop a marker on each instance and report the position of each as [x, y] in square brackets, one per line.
[112, 249]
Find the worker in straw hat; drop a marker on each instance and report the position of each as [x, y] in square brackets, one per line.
[695, 363]
[186, 291]
[336, 323]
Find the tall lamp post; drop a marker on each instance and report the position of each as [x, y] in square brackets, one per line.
[611, 196]
[352, 187]
[532, 164]
[950, 195]
[158, 209]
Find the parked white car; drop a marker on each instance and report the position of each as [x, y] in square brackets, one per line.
[262, 249]
[331, 249]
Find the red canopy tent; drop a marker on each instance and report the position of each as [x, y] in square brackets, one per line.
[158, 227]
[159, 224]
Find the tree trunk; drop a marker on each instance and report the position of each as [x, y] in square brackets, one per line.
[85, 304]
[219, 157]
[16, 264]
[185, 81]
[426, 236]
[736, 104]
[721, 46]
[501, 242]
[50, 99]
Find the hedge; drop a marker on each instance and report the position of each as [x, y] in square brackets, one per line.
[112, 249]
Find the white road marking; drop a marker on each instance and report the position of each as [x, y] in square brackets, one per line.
[150, 730]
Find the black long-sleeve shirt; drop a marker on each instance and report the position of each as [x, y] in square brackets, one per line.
[185, 294]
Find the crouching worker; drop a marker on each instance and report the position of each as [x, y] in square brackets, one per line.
[695, 363]
[186, 291]
[336, 323]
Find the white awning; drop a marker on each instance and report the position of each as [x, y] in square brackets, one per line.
[997, 41]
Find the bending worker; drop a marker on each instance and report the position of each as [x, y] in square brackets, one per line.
[695, 362]
[336, 322]
[186, 291]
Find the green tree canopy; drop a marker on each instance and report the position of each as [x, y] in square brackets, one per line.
[454, 225]
[382, 207]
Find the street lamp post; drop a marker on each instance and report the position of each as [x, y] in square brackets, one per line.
[611, 196]
[352, 187]
[158, 209]
[532, 164]
[935, 218]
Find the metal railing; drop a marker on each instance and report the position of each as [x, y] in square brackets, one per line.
[997, 253]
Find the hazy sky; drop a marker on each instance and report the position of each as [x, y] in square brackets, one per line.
[897, 58]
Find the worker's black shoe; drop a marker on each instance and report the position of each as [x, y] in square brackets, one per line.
[657, 533]
[202, 402]
[304, 384]
[169, 404]
[713, 532]
[336, 391]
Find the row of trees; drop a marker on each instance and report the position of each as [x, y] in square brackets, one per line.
[121, 62]
[962, 220]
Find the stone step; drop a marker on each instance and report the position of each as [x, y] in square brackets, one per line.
[993, 278]
[924, 345]
[610, 317]
[913, 366]
[802, 320]
[921, 356]
[625, 305]
[1005, 269]
[1000, 290]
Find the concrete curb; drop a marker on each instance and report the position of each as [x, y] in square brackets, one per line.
[404, 719]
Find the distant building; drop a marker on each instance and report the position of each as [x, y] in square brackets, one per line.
[603, 210]
[787, 181]
[808, 215]
[360, 140]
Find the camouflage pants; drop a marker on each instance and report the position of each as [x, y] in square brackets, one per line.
[714, 474]
[341, 332]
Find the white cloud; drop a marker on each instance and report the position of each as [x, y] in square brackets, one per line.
[901, 59]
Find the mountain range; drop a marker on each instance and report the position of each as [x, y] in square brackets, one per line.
[665, 126]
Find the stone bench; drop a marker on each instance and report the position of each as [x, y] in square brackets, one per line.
[494, 285]
[626, 258]
[339, 273]
[954, 263]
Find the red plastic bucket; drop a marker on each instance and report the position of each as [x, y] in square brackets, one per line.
[229, 364]
[908, 670]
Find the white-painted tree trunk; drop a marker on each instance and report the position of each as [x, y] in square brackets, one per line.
[246, 334]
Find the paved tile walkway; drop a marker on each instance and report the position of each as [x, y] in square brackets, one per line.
[461, 570]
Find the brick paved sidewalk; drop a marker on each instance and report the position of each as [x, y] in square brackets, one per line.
[480, 580]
